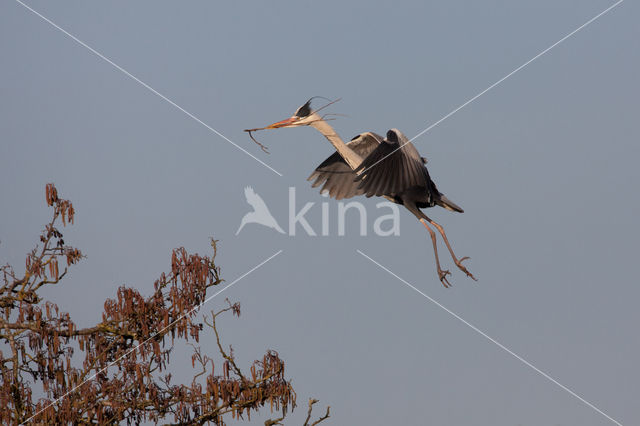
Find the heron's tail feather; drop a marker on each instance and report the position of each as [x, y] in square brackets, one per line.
[448, 204]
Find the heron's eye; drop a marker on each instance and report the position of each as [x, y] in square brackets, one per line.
[392, 137]
[304, 110]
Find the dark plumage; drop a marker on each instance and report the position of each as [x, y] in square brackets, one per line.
[304, 110]
[370, 165]
[335, 173]
[387, 171]
[391, 168]
[396, 169]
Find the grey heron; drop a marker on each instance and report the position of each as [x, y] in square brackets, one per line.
[370, 165]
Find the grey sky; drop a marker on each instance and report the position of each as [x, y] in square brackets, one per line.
[545, 166]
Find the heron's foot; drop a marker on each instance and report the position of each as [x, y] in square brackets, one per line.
[464, 269]
[443, 277]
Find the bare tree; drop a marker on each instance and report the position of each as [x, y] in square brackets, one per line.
[124, 374]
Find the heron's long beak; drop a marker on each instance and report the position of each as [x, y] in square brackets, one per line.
[284, 123]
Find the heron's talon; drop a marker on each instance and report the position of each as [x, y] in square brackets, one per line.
[443, 277]
[464, 269]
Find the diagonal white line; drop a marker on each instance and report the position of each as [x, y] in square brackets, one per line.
[145, 85]
[497, 82]
[159, 332]
[491, 339]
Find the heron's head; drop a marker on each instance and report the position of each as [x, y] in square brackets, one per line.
[302, 117]
[306, 115]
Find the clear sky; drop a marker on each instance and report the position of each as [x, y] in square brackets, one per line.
[544, 164]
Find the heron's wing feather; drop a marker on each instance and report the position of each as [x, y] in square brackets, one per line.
[335, 175]
[392, 168]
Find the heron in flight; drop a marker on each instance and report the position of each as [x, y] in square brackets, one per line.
[370, 165]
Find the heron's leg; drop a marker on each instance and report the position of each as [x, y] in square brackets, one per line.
[453, 255]
[441, 274]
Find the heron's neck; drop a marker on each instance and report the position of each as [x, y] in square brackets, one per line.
[350, 156]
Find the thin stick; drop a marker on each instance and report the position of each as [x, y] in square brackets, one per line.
[264, 148]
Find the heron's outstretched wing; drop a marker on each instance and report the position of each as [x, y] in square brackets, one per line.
[394, 166]
[335, 173]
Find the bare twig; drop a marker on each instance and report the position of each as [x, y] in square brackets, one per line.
[313, 401]
[273, 422]
[264, 148]
[125, 351]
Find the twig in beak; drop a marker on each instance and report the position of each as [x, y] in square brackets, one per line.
[292, 124]
[264, 148]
